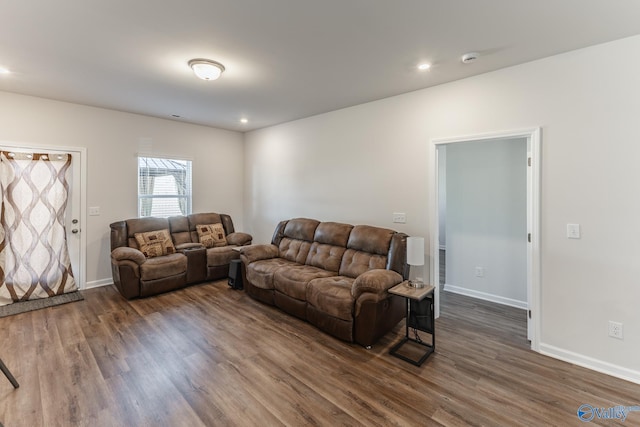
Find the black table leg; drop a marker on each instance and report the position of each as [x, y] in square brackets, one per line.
[8, 374]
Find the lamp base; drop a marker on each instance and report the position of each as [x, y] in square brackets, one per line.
[416, 284]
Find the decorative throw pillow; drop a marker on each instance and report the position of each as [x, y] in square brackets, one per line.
[211, 235]
[155, 243]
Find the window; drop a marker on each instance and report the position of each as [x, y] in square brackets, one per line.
[164, 187]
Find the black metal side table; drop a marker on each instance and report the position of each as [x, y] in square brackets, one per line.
[420, 317]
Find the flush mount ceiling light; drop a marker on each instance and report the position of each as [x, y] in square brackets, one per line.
[206, 69]
[4, 70]
[424, 66]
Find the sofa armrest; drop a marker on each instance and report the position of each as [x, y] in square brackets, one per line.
[258, 252]
[375, 281]
[239, 239]
[124, 253]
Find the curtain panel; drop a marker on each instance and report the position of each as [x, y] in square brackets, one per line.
[34, 257]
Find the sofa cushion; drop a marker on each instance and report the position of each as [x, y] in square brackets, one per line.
[301, 229]
[211, 235]
[294, 250]
[332, 295]
[143, 225]
[370, 239]
[333, 233]
[179, 226]
[327, 257]
[202, 218]
[354, 263]
[292, 280]
[155, 243]
[260, 273]
[221, 256]
[163, 266]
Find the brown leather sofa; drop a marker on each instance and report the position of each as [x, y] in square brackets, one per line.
[334, 275]
[138, 275]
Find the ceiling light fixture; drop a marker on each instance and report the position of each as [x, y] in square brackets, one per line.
[244, 120]
[4, 71]
[206, 69]
[424, 66]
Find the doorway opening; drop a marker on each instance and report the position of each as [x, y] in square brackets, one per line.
[489, 246]
[75, 214]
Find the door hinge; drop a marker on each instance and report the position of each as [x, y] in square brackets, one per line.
[529, 237]
[529, 314]
[529, 161]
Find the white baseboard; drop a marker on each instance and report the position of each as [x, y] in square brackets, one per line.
[591, 363]
[485, 296]
[98, 283]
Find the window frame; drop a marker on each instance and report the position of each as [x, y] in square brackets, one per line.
[188, 196]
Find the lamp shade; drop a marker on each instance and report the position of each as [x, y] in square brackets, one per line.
[415, 250]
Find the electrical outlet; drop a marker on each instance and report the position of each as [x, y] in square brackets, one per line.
[615, 329]
[479, 271]
[94, 210]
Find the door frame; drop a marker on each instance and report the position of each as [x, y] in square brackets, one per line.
[81, 153]
[532, 136]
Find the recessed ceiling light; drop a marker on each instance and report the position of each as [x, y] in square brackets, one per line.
[4, 71]
[206, 69]
[244, 120]
[424, 66]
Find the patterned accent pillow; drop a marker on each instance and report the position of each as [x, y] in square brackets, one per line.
[211, 235]
[155, 243]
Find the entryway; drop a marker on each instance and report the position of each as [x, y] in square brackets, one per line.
[45, 172]
[491, 235]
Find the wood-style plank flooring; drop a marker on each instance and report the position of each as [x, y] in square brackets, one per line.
[211, 356]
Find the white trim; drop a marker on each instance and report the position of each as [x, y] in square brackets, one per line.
[590, 363]
[163, 156]
[533, 219]
[99, 283]
[81, 276]
[485, 296]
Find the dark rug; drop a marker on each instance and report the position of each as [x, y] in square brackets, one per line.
[36, 304]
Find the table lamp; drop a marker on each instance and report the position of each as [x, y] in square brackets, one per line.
[415, 257]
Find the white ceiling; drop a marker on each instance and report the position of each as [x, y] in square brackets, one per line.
[284, 59]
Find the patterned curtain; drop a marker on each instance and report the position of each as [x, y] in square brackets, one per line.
[34, 258]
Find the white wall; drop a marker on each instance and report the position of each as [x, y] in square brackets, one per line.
[112, 139]
[486, 221]
[360, 164]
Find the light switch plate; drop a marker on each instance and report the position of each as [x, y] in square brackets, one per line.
[94, 211]
[573, 231]
[399, 217]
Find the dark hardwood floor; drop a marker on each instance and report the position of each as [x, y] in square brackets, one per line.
[211, 356]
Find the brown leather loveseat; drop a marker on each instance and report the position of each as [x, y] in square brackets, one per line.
[153, 255]
[334, 275]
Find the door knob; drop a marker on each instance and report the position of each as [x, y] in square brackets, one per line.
[75, 231]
